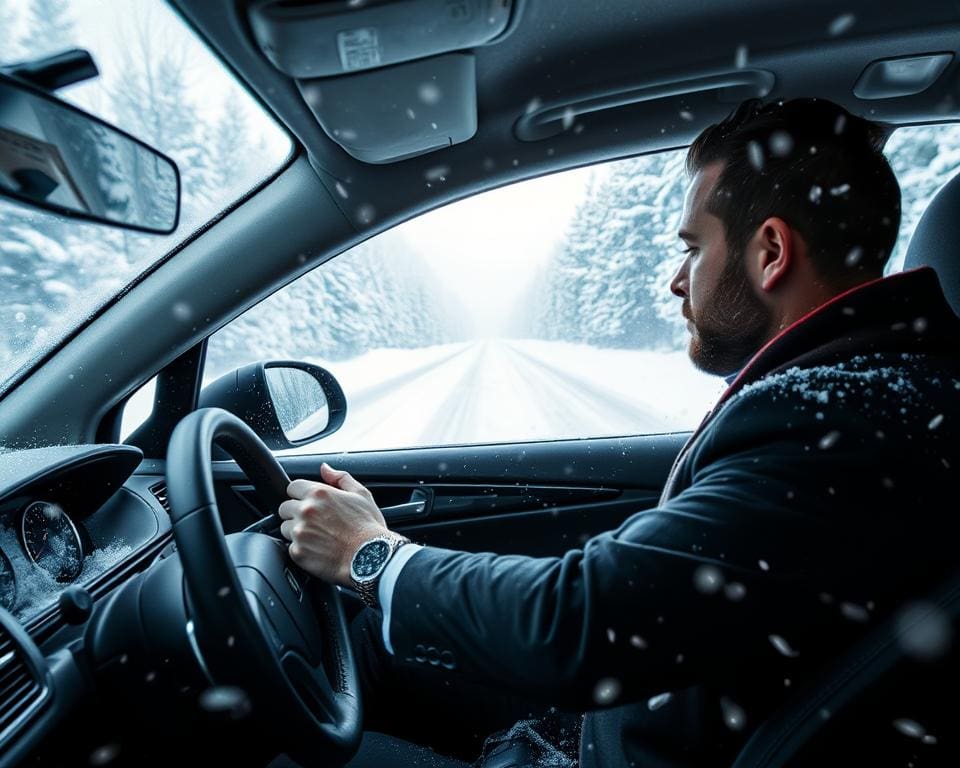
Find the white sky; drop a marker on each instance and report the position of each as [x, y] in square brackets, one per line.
[486, 249]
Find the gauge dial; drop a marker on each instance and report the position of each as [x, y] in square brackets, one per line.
[8, 583]
[52, 541]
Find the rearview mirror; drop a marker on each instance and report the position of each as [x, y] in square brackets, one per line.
[57, 157]
[287, 403]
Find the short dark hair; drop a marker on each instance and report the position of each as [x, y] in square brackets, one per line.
[816, 166]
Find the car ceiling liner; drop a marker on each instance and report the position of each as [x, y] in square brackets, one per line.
[725, 88]
[386, 79]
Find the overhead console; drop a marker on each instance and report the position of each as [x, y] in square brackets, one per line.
[386, 79]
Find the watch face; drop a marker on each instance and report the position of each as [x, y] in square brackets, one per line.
[370, 559]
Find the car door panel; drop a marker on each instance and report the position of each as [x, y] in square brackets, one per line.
[526, 498]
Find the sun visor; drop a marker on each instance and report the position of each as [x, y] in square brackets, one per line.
[326, 38]
[385, 115]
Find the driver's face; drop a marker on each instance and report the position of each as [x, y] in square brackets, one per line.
[725, 316]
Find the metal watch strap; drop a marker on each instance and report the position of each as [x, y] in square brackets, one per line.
[368, 589]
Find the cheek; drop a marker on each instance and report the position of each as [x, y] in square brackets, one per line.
[704, 273]
[697, 282]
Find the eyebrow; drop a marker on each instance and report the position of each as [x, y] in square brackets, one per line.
[685, 234]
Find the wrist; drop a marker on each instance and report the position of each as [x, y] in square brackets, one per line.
[370, 561]
[357, 541]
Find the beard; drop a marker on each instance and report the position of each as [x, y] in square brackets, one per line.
[733, 324]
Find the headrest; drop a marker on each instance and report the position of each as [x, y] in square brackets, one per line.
[936, 241]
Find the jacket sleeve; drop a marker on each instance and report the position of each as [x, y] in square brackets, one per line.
[727, 573]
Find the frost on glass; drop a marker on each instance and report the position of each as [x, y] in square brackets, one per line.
[160, 84]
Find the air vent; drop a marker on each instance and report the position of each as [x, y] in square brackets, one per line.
[20, 688]
[160, 492]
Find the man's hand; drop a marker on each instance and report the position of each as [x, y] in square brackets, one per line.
[326, 522]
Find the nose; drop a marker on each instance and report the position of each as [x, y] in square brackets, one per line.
[680, 281]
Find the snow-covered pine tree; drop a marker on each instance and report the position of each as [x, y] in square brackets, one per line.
[49, 29]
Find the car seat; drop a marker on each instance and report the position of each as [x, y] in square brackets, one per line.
[882, 697]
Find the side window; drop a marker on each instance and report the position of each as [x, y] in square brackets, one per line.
[924, 157]
[538, 311]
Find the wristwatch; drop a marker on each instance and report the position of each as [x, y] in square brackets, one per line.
[369, 562]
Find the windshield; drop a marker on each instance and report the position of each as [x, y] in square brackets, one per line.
[158, 82]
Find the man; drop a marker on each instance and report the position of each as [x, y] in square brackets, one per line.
[792, 520]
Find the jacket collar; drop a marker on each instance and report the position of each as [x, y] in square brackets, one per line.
[905, 312]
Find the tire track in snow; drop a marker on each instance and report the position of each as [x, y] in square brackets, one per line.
[391, 418]
[610, 412]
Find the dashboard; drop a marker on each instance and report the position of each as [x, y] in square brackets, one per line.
[66, 518]
[76, 523]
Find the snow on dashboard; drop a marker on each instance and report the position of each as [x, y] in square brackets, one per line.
[36, 587]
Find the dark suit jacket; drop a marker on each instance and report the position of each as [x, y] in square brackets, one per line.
[807, 505]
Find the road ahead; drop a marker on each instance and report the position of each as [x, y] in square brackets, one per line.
[500, 391]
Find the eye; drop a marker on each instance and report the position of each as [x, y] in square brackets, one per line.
[691, 251]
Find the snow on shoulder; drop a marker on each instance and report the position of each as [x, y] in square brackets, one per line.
[889, 380]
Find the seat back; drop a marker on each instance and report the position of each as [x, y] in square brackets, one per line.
[936, 241]
[889, 700]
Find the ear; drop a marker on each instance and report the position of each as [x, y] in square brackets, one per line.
[775, 247]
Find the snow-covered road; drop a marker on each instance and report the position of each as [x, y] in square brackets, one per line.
[507, 391]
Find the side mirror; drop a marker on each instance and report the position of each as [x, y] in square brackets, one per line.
[287, 403]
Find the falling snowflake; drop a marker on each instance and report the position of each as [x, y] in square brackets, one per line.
[841, 24]
[924, 631]
[606, 691]
[854, 612]
[781, 143]
[783, 647]
[366, 213]
[655, 702]
[733, 715]
[429, 93]
[740, 57]
[735, 591]
[227, 699]
[909, 727]
[829, 440]
[708, 579]
[437, 173]
[104, 755]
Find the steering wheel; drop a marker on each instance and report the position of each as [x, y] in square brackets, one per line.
[256, 625]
